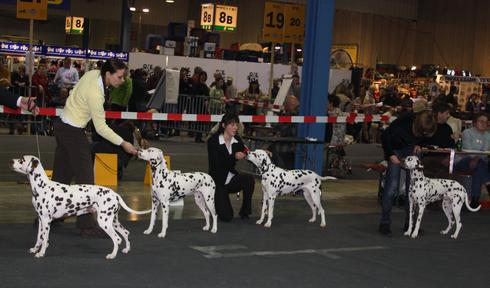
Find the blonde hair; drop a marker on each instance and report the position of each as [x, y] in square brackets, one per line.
[425, 124]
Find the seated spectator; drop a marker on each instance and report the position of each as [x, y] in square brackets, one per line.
[20, 78]
[121, 95]
[40, 81]
[476, 138]
[442, 138]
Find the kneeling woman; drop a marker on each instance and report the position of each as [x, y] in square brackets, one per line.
[225, 148]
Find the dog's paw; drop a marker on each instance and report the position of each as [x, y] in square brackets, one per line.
[125, 250]
[454, 236]
[259, 221]
[205, 228]
[33, 250]
[268, 225]
[147, 231]
[312, 220]
[323, 225]
[110, 256]
[444, 232]
[161, 235]
[214, 230]
[414, 235]
[406, 233]
[39, 255]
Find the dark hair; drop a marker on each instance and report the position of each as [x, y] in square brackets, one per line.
[227, 119]
[112, 65]
[424, 124]
[478, 115]
[334, 100]
[440, 107]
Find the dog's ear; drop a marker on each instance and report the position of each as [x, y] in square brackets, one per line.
[269, 153]
[34, 164]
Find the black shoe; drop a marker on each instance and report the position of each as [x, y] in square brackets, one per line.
[385, 230]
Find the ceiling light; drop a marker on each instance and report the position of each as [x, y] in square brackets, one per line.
[170, 1]
[145, 10]
[132, 9]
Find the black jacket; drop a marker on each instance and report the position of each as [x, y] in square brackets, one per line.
[399, 135]
[7, 98]
[220, 161]
[442, 138]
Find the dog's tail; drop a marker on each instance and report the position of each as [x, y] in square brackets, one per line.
[467, 203]
[328, 178]
[126, 207]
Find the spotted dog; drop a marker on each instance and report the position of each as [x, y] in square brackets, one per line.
[424, 190]
[277, 181]
[53, 200]
[169, 186]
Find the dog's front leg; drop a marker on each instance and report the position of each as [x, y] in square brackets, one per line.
[419, 220]
[165, 211]
[270, 212]
[37, 246]
[264, 206]
[154, 211]
[45, 227]
[410, 216]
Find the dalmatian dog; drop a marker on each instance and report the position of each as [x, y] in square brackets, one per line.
[169, 186]
[53, 200]
[424, 190]
[277, 181]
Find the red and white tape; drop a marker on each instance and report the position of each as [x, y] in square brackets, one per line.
[351, 118]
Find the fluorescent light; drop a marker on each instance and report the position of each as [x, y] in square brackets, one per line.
[132, 9]
[170, 1]
[299, 50]
[145, 10]
[414, 68]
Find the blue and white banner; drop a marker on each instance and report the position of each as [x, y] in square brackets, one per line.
[104, 54]
[64, 52]
[18, 48]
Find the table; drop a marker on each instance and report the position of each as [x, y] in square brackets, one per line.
[257, 142]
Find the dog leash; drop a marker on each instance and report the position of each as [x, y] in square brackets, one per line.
[35, 120]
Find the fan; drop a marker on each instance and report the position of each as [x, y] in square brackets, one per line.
[340, 59]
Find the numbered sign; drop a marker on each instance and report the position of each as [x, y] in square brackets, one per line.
[68, 24]
[273, 22]
[32, 9]
[294, 26]
[74, 25]
[77, 25]
[207, 16]
[226, 18]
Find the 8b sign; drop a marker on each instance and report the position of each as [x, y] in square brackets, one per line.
[226, 18]
[207, 16]
[74, 25]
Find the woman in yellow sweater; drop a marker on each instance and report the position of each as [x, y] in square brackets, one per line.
[73, 156]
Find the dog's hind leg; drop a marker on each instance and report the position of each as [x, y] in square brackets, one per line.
[270, 214]
[316, 196]
[44, 235]
[264, 206]
[457, 205]
[165, 203]
[154, 210]
[448, 210]
[124, 233]
[199, 198]
[37, 246]
[310, 202]
[106, 223]
[209, 200]
[419, 220]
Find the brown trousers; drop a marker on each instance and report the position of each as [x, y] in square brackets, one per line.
[73, 161]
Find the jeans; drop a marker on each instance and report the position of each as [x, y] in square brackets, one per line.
[392, 183]
[479, 174]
